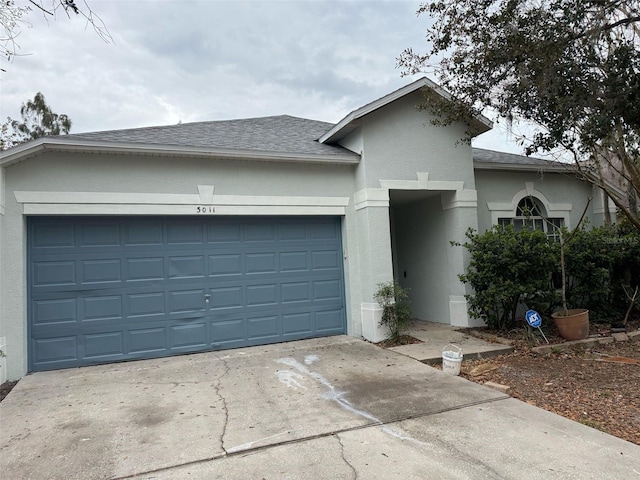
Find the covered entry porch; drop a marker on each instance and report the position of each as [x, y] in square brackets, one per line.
[422, 218]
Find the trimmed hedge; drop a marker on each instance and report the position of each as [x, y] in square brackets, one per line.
[509, 270]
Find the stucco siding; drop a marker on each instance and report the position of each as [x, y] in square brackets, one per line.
[496, 187]
[421, 250]
[3, 346]
[77, 172]
[399, 141]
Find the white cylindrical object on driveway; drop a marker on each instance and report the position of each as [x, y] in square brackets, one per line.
[451, 359]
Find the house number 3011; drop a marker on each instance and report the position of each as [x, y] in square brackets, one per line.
[205, 209]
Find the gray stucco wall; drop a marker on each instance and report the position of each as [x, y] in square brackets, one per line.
[420, 248]
[559, 188]
[77, 172]
[3, 346]
[399, 144]
[399, 140]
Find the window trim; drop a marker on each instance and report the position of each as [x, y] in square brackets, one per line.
[549, 231]
[509, 209]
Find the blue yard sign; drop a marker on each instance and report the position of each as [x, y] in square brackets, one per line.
[535, 320]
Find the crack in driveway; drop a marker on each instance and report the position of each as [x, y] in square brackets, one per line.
[225, 408]
[353, 469]
[239, 451]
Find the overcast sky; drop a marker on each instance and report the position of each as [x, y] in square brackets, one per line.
[187, 60]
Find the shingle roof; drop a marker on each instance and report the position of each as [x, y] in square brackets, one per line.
[277, 134]
[490, 159]
[481, 155]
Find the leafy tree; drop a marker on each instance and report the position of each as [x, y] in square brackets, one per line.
[38, 120]
[13, 18]
[569, 67]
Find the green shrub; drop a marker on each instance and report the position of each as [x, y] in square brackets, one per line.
[508, 268]
[589, 260]
[626, 270]
[396, 314]
[600, 262]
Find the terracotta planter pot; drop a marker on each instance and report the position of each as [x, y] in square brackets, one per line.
[574, 326]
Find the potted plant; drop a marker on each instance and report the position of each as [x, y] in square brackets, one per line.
[572, 324]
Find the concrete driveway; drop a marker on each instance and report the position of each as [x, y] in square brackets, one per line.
[328, 408]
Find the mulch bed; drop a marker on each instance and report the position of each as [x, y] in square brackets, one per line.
[5, 388]
[586, 384]
[403, 340]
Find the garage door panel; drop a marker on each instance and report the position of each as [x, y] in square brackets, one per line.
[260, 263]
[144, 269]
[262, 295]
[187, 301]
[225, 264]
[56, 311]
[189, 336]
[101, 308]
[54, 273]
[295, 292]
[227, 298]
[325, 260]
[147, 340]
[327, 290]
[222, 233]
[263, 327]
[297, 323]
[185, 233]
[192, 266]
[230, 331]
[100, 271]
[324, 231]
[145, 304]
[53, 235]
[329, 320]
[292, 232]
[143, 233]
[111, 289]
[104, 346]
[56, 350]
[259, 232]
[100, 234]
[294, 261]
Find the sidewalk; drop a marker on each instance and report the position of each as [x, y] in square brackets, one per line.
[435, 336]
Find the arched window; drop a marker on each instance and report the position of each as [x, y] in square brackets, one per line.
[531, 214]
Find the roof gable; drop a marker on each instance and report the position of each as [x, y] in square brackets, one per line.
[350, 122]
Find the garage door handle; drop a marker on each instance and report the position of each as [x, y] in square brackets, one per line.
[207, 298]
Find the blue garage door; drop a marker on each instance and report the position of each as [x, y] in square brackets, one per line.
[105, 289]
